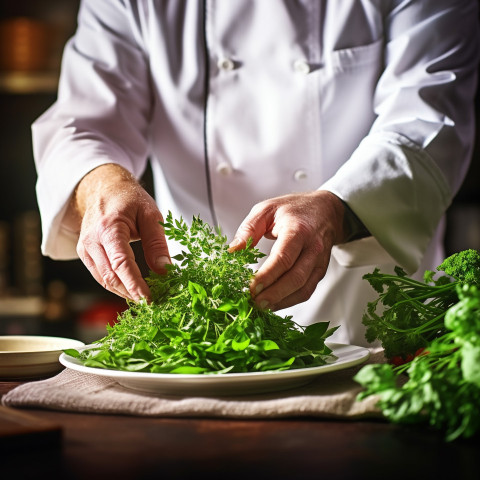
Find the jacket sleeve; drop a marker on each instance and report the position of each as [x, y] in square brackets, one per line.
[406, 171]
[100, 115]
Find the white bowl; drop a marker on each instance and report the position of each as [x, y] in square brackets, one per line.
[30, 356]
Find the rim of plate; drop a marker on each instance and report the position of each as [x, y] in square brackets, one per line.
[360, 355]
[55, 344]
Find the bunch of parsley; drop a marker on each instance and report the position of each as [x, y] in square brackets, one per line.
[439, 321]
[202, 318]
[408, 314]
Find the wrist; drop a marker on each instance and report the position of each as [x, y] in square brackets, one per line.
[94, 186]
[346, 225]
[97, 184]
[332, 211]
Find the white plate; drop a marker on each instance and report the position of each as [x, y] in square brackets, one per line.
[227, 383]
[30, 356]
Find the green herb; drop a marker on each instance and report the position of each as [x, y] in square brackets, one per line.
[439, 384]
[202, 318]
[408, 314]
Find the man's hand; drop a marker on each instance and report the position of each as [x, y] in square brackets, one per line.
[305, 227]
[110, 209]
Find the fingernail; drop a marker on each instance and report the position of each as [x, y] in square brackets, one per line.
[160, 262]
[258, 288]
[139, 295]
[235, 243]
[263, 304]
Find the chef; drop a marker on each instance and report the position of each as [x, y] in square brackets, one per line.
[335, 133]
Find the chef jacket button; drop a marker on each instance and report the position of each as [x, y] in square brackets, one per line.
[301, 66]
[226, 64]
[300, 175]
[224, 168]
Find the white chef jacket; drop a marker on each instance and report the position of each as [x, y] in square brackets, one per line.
[236, 101]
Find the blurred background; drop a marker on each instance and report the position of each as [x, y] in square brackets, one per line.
[39, 296]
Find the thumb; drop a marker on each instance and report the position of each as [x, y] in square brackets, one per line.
[254, 227]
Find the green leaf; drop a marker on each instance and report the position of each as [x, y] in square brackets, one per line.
[136, 366]
[196, 290]
[275, 363]
[174, 333]
[241, 341]
[217, 290]
[470, 355]
[316, 330]
[188, 370]
[266, 345]
[377, 377]
[315, 335]
[225, 306]
[72, 352]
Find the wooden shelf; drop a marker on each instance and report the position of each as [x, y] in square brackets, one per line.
[28, 82]
[21, 306]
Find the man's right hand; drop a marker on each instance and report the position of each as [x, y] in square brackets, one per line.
[110, 209]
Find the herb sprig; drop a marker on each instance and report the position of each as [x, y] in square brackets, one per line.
[408, 314]
[202, 318]
[439, 383]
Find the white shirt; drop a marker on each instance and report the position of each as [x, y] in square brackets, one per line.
[236, 101]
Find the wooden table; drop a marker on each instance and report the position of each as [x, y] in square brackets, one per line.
[114, 447]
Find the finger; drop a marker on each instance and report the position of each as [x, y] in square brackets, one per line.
[283, 255]
[301, 295]
[120, 268]
[91, 267]
[257, 223]
[297, 284]
[154, 244]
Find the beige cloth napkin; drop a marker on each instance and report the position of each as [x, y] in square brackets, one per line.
[331, 395]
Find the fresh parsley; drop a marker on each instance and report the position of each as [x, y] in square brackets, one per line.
[431, 335]
[202, 319]
[408, 314]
